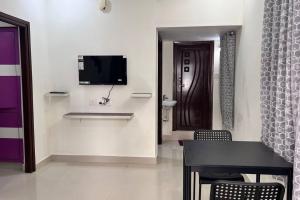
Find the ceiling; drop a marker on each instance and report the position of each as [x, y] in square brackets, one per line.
[202, 33]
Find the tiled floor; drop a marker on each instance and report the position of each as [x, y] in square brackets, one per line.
[179, 135]
[75, 181]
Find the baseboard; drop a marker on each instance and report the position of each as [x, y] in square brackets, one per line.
[44, 162]
[103, 159]
[179, 135]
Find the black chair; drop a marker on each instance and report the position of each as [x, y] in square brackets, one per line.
[206, 177]
[220, 135]
[225, 190]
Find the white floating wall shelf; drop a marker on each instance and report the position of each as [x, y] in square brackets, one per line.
[114, 116]
[57, 94]
[141, 95]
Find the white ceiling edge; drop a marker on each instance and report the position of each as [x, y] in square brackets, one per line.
[199, 33]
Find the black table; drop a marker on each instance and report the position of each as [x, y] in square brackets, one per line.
[239, 157]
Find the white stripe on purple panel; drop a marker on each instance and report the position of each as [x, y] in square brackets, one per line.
[11, 133]
[10, 70]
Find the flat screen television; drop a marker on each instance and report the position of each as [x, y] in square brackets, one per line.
[102, 70]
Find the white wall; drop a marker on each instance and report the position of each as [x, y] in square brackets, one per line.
[34, 11]
[217, 120]
[127, 30]
[167, 82]
[174, 13]
[247, 83]
[61, 30]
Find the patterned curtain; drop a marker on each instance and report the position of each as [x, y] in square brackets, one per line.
[280, 81]
[227, 72]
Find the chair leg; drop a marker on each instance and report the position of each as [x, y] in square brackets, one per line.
[194, 187]
[257, 178]
[199, 190]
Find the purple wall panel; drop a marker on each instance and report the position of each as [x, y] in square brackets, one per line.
[11, 150]
[9, 46]
[10, 88]
[10, 102]
[10, 119]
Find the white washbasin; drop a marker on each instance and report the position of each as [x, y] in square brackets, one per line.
[169, 103]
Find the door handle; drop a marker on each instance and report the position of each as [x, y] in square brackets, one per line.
[180, 84]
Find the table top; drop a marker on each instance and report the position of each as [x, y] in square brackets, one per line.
[232, 154]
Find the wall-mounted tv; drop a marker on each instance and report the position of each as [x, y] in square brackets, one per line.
[102, 70]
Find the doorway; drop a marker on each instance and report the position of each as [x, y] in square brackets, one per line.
[169, 129]
[193, 85]
[23, 28]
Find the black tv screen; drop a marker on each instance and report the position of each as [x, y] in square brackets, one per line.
[102, 70]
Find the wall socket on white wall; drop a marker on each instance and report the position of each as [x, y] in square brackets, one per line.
[96, 102]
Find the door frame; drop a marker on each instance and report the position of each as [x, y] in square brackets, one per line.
[27, 94]
[159, 93]
[192, 43]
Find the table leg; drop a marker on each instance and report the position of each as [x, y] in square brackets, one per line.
[186, 182]
[194, 185]
[257, 178]
[289, 191]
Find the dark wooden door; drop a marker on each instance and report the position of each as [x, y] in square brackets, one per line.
[193, 85]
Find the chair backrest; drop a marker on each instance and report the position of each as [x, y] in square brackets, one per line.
[222, 135]
[226, 190]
